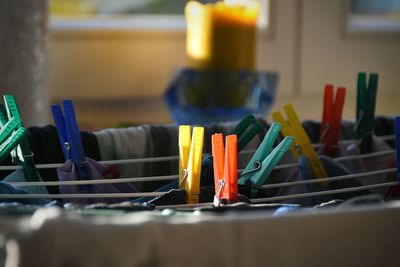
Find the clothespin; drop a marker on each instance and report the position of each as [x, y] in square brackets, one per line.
[69, 136]
[394, 191]
[245, 130]
[331, 119]
[302, 145]
[22, 153]
[365, 113]
[190, 156]
[225, 168]
[397, 129]
[10, 136]
[265, 159]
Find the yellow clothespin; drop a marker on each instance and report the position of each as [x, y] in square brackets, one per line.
[302, 145]
[190, 156]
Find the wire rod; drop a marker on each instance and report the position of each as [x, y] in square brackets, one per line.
[97, 181]
[322, 193]
[170, 158]
[278, 167]
[329, 179]
[68, 196]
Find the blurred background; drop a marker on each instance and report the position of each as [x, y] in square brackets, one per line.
[116, 58]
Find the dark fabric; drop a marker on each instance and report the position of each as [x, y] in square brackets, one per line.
[384, 125]
[161, 148]
[172, 197]
[6, 188]
[46, 149]
[333, 169]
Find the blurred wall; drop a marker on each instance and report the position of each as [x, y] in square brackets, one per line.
[121, 76]
[23, 57]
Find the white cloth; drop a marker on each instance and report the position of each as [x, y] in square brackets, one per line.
[352, 237]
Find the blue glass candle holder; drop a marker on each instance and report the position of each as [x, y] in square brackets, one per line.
[209, 96]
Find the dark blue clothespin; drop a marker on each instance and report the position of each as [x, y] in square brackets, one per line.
[394, 191]
[69, 136]
[397, 129]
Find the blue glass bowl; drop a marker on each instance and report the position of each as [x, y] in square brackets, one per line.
[209, 96]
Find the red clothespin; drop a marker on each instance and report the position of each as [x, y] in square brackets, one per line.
[332, 119]
[225, 168]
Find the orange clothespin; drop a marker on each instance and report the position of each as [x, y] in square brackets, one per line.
[225, 168]
[332, 119]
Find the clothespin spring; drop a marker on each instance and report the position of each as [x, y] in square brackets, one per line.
[325, 132]
[218, 200]
[257, 167]
[185, 175]
[221, 188]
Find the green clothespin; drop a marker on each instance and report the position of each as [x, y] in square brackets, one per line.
[246, 135]
[3, 115]
[23, 151]
[365, 113]
[7, 129]
[263, 161]
[242, 125]
[10, 136]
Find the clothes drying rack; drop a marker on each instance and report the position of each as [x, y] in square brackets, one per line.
[352, 236]
[174, 177]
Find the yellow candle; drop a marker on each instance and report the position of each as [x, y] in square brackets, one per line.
[222, 35]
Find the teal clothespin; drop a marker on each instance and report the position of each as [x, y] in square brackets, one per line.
[246, 133]
[22, 153]
[10, 136]
[263, 161]
[365, 113]
[3, 115]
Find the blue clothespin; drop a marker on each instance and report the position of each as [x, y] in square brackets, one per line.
[397, 129]
[69, 136]
[265, 159]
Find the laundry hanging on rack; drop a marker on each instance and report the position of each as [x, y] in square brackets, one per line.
[45, 149]
[333, 169]
[370, 164]
[98, 171]
[78, 166]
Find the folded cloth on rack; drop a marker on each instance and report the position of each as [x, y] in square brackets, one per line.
[7, 189]
[19, 176]
[67, 173]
